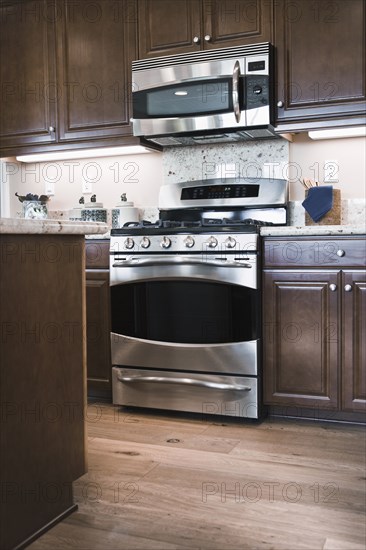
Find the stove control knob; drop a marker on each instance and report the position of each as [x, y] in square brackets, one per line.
[166, 242]
[129, 243]
[212, 242]
[189, 241]
[230, 242]
[145, 242]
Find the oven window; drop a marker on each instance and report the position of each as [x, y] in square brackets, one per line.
[193, 312]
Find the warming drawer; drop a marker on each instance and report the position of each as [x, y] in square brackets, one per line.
[235, 396]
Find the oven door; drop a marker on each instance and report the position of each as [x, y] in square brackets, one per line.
[189, 313]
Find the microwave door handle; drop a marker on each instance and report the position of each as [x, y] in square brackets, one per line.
[235, 95]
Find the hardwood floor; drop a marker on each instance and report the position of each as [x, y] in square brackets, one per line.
[162, 482]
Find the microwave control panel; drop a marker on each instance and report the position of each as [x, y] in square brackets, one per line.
[257, 91]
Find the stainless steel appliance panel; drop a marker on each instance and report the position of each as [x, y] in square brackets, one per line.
[204, 95]
[128, 269]
[215, 394]
[233, 357]
[271, 191]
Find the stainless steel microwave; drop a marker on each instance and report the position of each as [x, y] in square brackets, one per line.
[209, 96]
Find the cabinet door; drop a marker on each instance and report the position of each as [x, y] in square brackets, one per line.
[236, 22]
[354, 341]
[167, 27]
[99, 367]
[96, 43]
[320, 61]
[301, 338]
[27, 72]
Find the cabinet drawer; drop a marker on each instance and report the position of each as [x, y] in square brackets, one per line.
[314, 252]
[97, 254]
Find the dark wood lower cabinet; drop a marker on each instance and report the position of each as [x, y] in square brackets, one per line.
[314, 325]
[99, 368]
[354, 345]
[301, 339]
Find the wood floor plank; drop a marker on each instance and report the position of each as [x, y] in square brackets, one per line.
[275, 485]
[157, 430]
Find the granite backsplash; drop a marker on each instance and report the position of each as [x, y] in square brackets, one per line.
[249, 159]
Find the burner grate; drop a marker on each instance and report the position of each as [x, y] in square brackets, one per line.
[205, 222]
[228, 222]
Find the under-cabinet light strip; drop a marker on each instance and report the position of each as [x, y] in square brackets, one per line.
[355, 131]
[85, 153]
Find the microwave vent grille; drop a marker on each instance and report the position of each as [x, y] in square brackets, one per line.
[208, 55]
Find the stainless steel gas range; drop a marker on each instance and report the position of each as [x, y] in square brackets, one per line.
[186, 300]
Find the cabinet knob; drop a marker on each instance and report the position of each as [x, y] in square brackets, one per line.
[341, 253]
[333, 287]
[196, 39]
[208, 37]
[348, 288]
[51, 129]
[280, 104]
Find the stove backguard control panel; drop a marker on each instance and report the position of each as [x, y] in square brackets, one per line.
[216, 193]
[204, 192]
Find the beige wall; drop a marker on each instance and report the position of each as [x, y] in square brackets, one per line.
[307, 159]
[140, 176]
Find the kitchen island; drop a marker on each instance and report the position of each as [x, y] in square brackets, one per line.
[42, 373]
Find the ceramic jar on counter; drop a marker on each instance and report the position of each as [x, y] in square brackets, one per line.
[124, 212]
[94, 212]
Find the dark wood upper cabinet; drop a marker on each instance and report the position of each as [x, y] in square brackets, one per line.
[66, 65]
[167, 27]
[320, 61]
[236, 22]
[96, 42]
[66, 74]
[27, 72]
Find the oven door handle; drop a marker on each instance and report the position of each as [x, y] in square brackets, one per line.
[185, 381]
[176, 260]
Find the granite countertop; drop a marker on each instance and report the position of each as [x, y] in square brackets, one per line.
[305, 230]
[50, 227]
[292, 230]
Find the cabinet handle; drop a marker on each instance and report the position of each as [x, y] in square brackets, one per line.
[348, 288]
[280, 104]
[341, 253]
[333, 287]
[196, 39]
[208, 37]
[51, 129]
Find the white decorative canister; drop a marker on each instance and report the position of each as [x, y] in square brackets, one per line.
[124, 212]
[94, 211]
